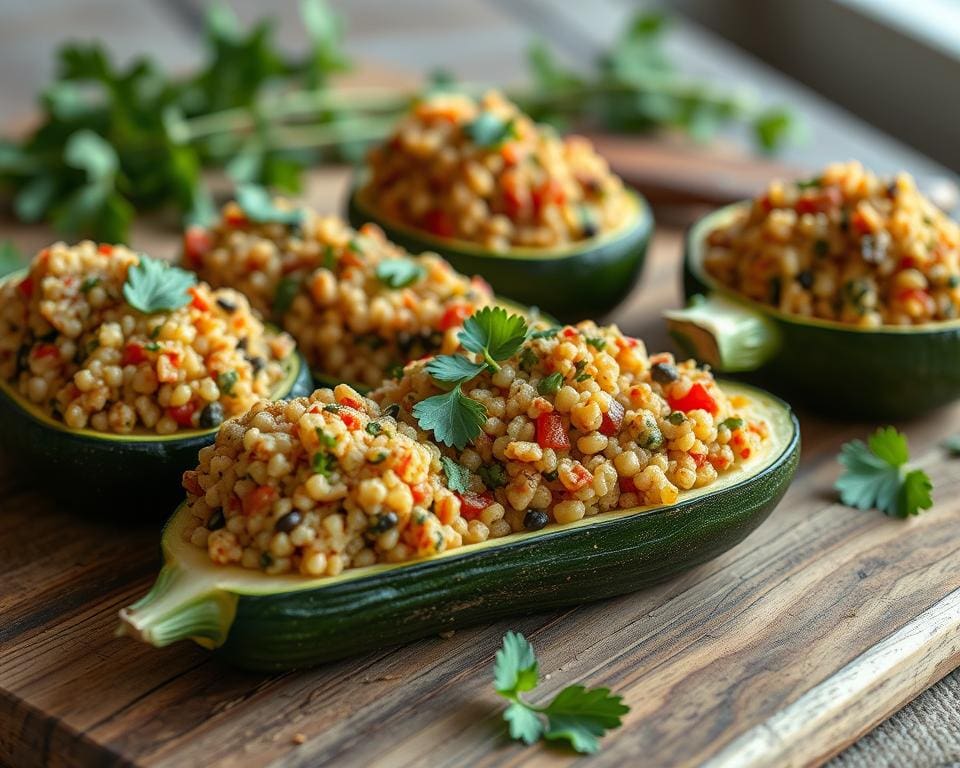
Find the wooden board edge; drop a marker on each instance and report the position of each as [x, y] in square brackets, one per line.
[836, 712]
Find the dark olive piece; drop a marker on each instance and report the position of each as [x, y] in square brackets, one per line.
[266, 560]
[384, 522]
[805, 279]
[258, 364]
[211, 416]
[288, 522]
[535, 519]
[226, 306]
[242, 344]
[664, 373]
[216, 520]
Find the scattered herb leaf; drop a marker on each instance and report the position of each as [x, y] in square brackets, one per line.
[876, 475]
[287, 289]
[458, 477]
[493, 475]
[453, 368]
[493, 333]
[155, 286]
[546, 333]
[551, 384]
[258, 205]
[576, 715]
[324, 463]
[399, 273]
[226, 381]
[489, 130]
[454, 418]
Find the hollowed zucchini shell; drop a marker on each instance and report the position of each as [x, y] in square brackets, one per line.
[279, 622]
[90, 467]
[889, 372]
[571, 282]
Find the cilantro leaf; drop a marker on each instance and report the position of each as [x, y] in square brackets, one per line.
[458, 477]
[876, 476]
[453, 368]
[399, 273]
[287, 290]
[454, 418]
[515, 666]
[258, 206]
[489, 130]
[576, 715]
[154, 285]
[546, 333]
[493, 333]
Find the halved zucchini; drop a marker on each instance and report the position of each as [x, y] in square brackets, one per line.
[878, 373]
[572, 282]
[92, 466]
[280, 622]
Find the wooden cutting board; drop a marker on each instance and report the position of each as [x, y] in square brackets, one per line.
[779, 653]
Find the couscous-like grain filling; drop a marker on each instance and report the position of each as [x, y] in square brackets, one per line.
[359, 306]
[73, 345]
[845, 246]
[581, 421]
[316, 485]
[484, 172]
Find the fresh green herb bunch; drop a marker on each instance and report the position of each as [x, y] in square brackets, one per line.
[112, 140]
[576, 715]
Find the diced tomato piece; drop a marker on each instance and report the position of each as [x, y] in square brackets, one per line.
[627, 485]
[550, 191]
[351, 403]
[191, 483]
[47, 350]
[696, 399]
[453, 316]
[698, 459]
[440, 223]
[133, 354]
[197, 243]
[745, 453]
[510, 152]
[907, 262]
[570, 333]
[183, 414]
[551, 432]
[199, 301]
[612, 419]
[105, 248]
[350, 420]
[26, 287]
[236, 218]
[860, 224]
[420, 491]
[473, 504]
[582, 477]
[765, 203]
[259, 500]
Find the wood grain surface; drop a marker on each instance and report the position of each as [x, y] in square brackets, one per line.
[781, 652]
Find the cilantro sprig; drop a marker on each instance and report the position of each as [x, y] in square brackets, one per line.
[153, 285]
[576, 715]
[399, 273]
[876, 475]
[454, 418]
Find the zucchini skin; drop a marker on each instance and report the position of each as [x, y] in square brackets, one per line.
[562, 568]
[89, 471]
[853, 373]
[584, 284]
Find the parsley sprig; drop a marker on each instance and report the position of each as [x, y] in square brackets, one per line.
[454, 418]
[153, 285]
[576, 715]
[876, 475]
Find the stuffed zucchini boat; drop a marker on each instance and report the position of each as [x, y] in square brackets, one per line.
[539, 216]
[110, 391]
[840, 291]
[337, 524]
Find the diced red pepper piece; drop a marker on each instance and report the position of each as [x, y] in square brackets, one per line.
[182, 414]
[420, 491]
[551, 432]
[698, 459]
[47, 350]
[235, 218]
[612, 419]
[453, 316]
[199, 302]
[197, 243]
[473, 504]
[627, 485]
[550, 191]
[696, 399]
[350, 420]
[133, 354]
[350, 402]
[26, 287]
[440, 223]
[105, 248]
[259, 500]
[191, 482]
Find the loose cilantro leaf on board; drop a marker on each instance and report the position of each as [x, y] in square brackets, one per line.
[576, 715]
[876, 476]
[257, 203]
[458, 477]
[489, 130]
[399, 273]
[454, 418]
[453, 368]
[493, 333]
[154, 285]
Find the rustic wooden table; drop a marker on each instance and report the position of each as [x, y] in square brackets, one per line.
[781, 652]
